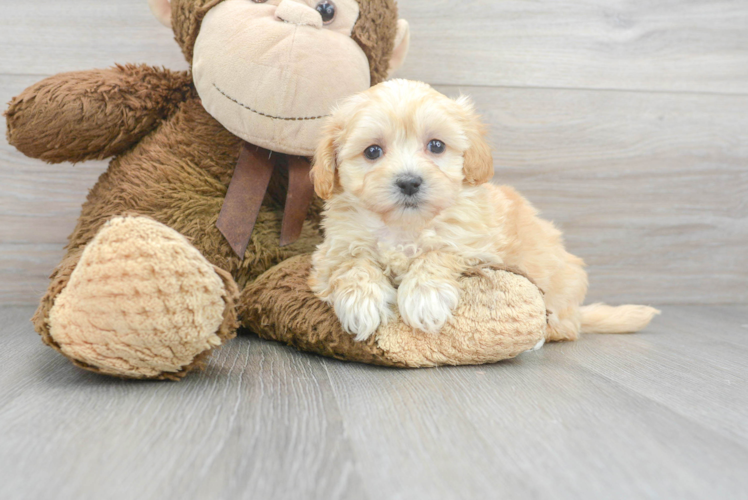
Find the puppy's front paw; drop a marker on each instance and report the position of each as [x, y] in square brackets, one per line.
[427, 307]
[362, 308]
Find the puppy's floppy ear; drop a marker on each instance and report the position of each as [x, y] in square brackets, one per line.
[325, 159]
[478, 165]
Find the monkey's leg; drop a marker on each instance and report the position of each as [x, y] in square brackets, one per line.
[138, 301]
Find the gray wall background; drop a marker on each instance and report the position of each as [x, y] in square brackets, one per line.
[625, 122]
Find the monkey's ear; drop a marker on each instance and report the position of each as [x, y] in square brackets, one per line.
[162, 10]
[478, 164]
[326, 161]
[402, 44]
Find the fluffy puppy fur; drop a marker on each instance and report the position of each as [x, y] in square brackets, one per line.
[404, 171]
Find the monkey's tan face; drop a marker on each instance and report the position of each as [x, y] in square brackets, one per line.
[271, 71]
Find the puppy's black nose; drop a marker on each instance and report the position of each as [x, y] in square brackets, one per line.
[409, 184]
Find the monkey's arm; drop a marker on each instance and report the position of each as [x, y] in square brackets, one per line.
[91, 115]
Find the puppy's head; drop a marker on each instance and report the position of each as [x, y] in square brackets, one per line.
[403, 150]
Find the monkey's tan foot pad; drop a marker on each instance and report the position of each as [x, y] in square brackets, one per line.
[501, 314]
[142, 303]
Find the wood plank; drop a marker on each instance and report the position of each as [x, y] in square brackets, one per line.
[25, 270]
[259, 415]
[650, 189]
[641, 416]
[681, 45]
[553, 424]
[48, 37]
[688, 361]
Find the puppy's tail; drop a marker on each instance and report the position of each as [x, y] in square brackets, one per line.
[601, 318]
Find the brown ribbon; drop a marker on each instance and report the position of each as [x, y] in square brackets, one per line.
[247, 190]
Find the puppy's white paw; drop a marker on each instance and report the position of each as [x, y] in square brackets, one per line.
[427, 307]
[361, 309]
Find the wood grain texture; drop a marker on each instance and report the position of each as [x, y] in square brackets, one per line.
[682, 45]
[679, 45]
[260, 422]
[650, 189]
[47, 37]
[661, 414]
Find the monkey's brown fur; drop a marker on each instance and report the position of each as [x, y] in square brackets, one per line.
[173, 161]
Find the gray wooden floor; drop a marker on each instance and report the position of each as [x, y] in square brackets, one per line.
[625, 122]
[661, 414]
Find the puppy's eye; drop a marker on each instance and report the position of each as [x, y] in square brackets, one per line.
[326, 9]
[373, 152]
[259, 1]
[437, 147]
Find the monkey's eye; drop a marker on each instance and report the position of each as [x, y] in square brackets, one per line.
[373, 152]
[326, 9]
[437, 147]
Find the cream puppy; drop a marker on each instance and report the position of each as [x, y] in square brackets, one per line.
[404, 171]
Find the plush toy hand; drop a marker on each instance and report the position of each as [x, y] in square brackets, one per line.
[92, 115]
[500, 315]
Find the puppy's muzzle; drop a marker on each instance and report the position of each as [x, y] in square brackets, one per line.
[409, 184]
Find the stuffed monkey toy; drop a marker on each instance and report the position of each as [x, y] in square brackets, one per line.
[204, 220]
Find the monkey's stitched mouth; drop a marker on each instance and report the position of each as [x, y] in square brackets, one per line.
[301, 119]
